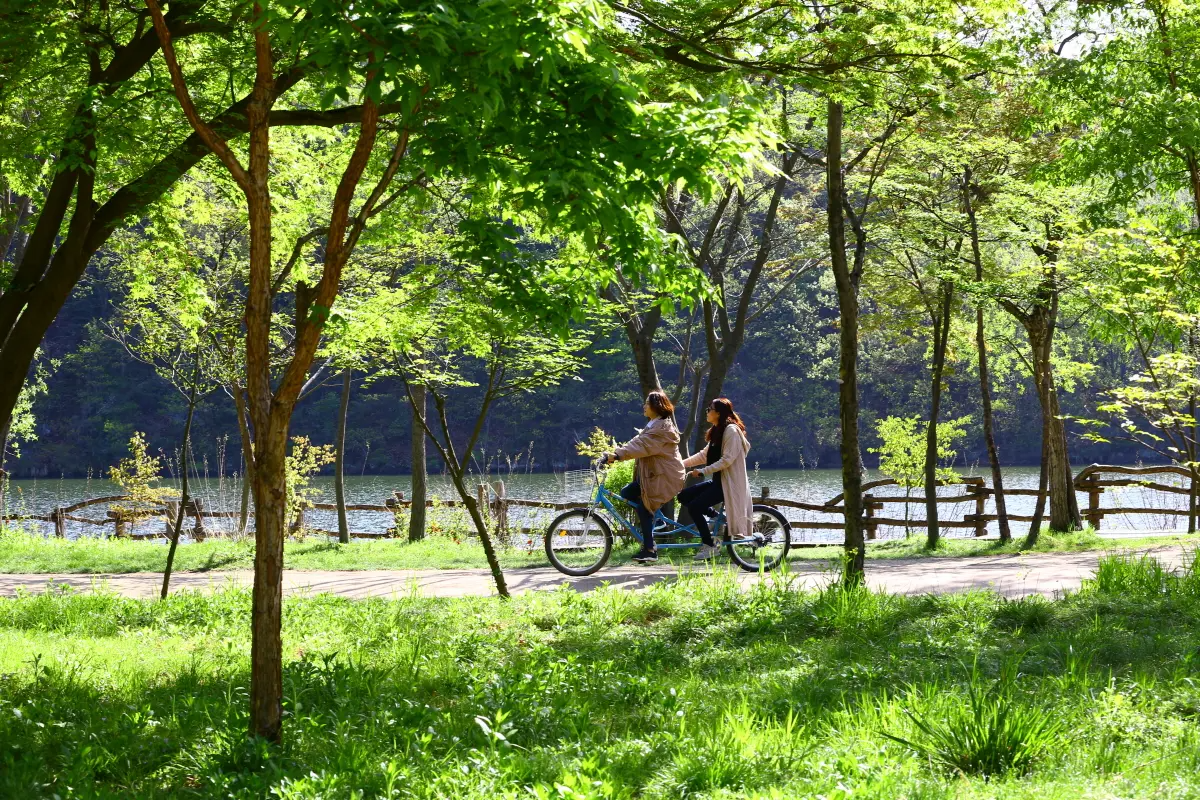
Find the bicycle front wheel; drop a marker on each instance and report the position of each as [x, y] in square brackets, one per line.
[579, 542]
[767, 545]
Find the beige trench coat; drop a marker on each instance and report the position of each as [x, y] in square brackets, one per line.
[735, 483]
[659, 467]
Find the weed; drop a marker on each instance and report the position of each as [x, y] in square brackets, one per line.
[989, 733]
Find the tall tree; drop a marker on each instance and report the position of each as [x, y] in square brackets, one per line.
[523, 119]
[884, 60]
[90, 98]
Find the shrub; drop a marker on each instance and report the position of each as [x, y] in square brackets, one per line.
[990, 734]
[1031, 614]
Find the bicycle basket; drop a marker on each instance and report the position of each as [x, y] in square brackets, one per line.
[576, 484]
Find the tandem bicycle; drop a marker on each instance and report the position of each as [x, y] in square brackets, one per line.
[580, 541]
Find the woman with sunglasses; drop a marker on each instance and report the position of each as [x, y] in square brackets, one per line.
[725, 453]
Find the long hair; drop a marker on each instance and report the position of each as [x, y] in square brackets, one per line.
[726, 415]
[660, 404]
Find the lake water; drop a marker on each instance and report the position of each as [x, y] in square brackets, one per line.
[814, 486]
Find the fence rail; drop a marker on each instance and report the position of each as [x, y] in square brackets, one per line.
[492, 499]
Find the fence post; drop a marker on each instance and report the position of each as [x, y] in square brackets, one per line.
[171, 513]
[120, 527]
[766, 493]
[481, 499]
[500, 510]
[869, 508]
[980, 492]
[60, 523]
[198, 532]
[1094, 514]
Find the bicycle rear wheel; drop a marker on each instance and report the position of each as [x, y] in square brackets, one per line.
[578, 542]
[768, 543]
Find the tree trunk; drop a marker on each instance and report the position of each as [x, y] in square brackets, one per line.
[481, 527]
[1039, 508]
[244, 509]
[5, 425]
[847, 293]
[183, 483]
[420, 475]
[239, 402]
[641, 343]
[989, 430]
[270, 528]
[339, 462]
[941, 333]
[985, 386]
[1064, 508]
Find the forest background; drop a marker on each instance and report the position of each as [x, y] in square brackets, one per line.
[783, 383]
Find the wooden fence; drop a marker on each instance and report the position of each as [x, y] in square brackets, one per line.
[499, 508]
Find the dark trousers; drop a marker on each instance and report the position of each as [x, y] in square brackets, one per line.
[698, 500]
[633, 493]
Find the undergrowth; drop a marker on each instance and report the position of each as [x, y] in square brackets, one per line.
[692, 689]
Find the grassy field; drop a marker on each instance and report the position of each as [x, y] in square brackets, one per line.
[21, 552]
[692, 689]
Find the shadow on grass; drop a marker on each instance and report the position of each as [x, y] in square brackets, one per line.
[408, 681]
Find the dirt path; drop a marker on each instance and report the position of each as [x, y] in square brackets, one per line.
[1010, 575]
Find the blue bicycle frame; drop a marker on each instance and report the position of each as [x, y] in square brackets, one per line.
[605, 498]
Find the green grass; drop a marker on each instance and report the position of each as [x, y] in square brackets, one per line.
[1048, 542]
[21, 552]
[686, 690]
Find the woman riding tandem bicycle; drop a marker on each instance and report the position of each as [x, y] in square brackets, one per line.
[659, 474]
[579, 542]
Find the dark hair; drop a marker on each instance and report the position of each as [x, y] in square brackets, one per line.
[660, 404]
[724, 409]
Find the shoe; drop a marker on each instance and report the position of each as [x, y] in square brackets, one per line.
[646, 556]
[706, 552]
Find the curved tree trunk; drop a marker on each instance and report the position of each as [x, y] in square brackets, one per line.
[339, 462]
[420, 475]
[183, 485]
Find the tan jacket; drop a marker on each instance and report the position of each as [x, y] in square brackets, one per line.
[659, 467]
[735, 483]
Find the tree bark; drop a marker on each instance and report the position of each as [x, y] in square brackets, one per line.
[1040, 323]
[941, 333]
[183, 483]
[270, 526]
[847, 294]
[420, 475]
[1064, 507]
[339, 461]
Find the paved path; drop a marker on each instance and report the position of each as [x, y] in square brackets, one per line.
[1010, 575]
